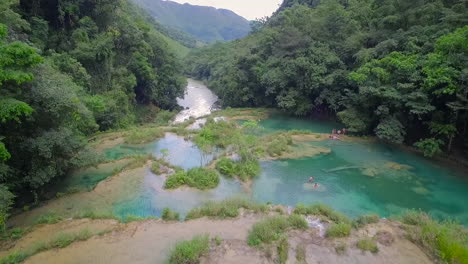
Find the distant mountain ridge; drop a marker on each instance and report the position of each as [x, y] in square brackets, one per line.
[204, 23]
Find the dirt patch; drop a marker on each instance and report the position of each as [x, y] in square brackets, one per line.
[234, 252]
[385, 238]
[151, 241]
[144, 242]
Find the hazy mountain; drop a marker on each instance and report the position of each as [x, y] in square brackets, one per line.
[205, 23]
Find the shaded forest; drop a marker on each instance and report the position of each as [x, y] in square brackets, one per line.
[68, 69]
[390, 68]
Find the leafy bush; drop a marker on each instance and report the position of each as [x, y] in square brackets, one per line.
[447, 240]
[6, 201]
[189, 252]
[178, 179]
[339, 230]
[364, 220]
[430, 147]
[276, 144]
[203, 178]
[200, 178]
[226, 167]
[248, 169]
[268, 230]
[224, 209]
[169, 215]
[367, 245]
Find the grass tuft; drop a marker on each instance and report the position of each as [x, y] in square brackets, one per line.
[364, 220]
[49, 218]
[367, 244]
[169, 215]
[224, 209]
[323, 210]
[448, 241]
[338, 230]
[301, 254]
[283, 248]
[189, 252]
[272, 228]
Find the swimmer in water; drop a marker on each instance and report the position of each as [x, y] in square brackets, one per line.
[316, 185]
[311, 179]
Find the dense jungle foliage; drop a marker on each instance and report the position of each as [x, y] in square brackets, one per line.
[393, 68]
[68, 69]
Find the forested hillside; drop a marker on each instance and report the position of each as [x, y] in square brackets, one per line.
[207, 24]
[396, 69]
[68, 69]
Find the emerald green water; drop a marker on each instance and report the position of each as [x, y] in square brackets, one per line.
[425, 185]
[399, 180]
[355, 178]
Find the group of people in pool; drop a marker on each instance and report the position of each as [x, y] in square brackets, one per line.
[311, 180]
[335, 135]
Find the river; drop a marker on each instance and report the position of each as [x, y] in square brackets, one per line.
[356, 178]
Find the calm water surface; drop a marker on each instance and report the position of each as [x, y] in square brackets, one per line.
[355, 178]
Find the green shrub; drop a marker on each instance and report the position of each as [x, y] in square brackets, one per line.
[338, 230]
[224, 209]
[268, 230]
[276, 144]
[367, 245]
[283, 248]
[200, 178]
[226, 167]
[298, 222]
[178, 179]
[248, 170]
[203, 178]
[6, 201]
[169, 215]
[49, 218]
[323, 210]
[364, 220]
[448, 241]
[189, 252]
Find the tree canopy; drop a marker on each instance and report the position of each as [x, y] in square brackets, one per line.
[396, 69]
